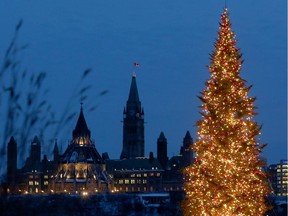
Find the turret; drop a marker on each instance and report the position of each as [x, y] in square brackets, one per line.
[56, 153]
[133, 124]
[35, 150]
[11, 163]
[186, 150]
[162, 150]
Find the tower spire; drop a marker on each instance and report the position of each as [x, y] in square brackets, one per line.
[133, 124]
[81, 129]
[133, 93]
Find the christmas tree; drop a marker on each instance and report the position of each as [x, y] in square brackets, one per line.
[226, 177]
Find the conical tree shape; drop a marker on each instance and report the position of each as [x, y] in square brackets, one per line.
[226, 178]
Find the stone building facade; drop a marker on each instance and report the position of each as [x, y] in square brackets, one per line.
[81, 169]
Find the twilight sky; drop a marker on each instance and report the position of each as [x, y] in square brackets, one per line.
[171, 40]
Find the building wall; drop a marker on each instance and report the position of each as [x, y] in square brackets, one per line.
[78, 177]
[137, 181]
[282, 178]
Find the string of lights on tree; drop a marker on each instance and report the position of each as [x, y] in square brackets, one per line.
[226, 177]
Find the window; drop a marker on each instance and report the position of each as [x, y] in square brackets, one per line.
[30, 182]
[45, 182]
[126, 181]
[132, 181]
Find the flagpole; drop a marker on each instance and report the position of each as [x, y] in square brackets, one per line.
[136, 65]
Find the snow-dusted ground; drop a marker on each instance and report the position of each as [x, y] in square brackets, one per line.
[100, 205]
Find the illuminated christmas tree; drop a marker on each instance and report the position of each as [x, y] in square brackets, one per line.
[226, 177]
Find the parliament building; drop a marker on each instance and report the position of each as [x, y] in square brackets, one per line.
[82, 169]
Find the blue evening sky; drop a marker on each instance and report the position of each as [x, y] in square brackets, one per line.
[171, 40]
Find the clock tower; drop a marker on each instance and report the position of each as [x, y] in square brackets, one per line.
[133, 125]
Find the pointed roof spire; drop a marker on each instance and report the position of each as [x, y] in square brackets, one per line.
[35, 140]
[162, 137]
[188, 140]
[188, 135]
[133, 94]
[12, 140]
[56, 150]
[81, 128]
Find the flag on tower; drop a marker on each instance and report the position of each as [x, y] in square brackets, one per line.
[136, 64]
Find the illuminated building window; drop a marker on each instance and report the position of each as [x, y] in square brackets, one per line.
[145, 174]
[144, 181]
[30, 182]
[45, 182]
[132, 181]
[158, 174]
[46, 177]
[126, 181]
[132, 175]
[121, 181]
[36, 183]
[151, 174]
[138, 175]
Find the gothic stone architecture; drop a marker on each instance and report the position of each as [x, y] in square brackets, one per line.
[133, 125]
[82, 169]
